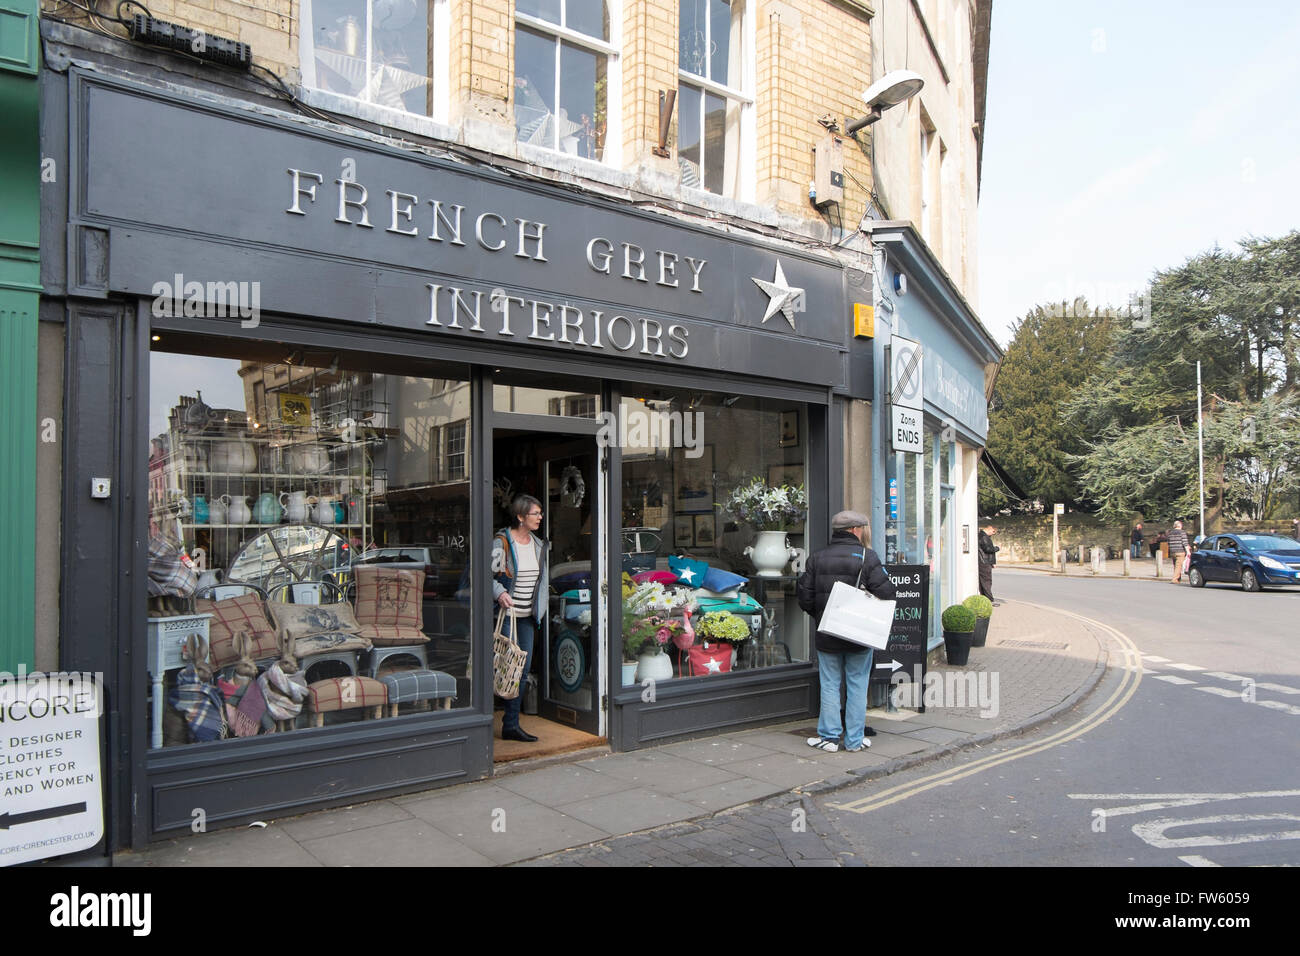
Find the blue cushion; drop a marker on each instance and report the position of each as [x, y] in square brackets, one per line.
[574, 579]
[688, 570]
[719, 580]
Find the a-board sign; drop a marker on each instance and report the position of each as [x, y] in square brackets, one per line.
[51, 786]
[904, 658]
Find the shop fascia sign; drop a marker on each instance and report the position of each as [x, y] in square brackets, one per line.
[518, 315]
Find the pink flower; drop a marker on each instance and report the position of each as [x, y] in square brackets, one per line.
[662, 635]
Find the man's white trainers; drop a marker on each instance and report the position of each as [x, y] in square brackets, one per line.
[820, 743]
[853, 750]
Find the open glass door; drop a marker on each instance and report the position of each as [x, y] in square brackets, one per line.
[571, 664]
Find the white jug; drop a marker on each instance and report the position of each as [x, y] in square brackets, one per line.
[237, 510]
[217, 510]
[232, 457]
[324, 513]
[295, 506]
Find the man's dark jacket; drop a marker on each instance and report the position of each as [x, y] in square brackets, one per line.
[988, 550]
[841, 560]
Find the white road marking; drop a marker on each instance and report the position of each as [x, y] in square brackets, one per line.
[1202, 797]
[1280, 688]
[1153, 831]
[1220, 691]
[1186, 667]
[1197, 861]
[1173, 680]
[1155, 660]
[1278, 705]
[1223, 675]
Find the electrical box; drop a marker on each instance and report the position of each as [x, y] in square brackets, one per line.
[828, 170]
[864, 320]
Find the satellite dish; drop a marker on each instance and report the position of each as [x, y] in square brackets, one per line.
[892, 89]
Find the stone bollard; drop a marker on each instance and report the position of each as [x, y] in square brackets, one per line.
[1160, 563]
[1064, 556]
[1128, 555]
[1080, 555]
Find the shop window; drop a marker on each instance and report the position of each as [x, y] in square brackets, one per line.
[292, 523]
[389, 53]
[527, 400]
[703, 475]
[714, 95]
[564, 97]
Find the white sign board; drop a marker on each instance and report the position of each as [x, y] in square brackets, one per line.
[51, 796]
[907, 431]
[905, 372]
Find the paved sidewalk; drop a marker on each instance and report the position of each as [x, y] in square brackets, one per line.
[1036, 663]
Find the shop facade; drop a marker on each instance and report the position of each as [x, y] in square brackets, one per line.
[927, 499]
[292, 350]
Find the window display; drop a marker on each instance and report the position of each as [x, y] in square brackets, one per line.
[308, 542]
[714, 513]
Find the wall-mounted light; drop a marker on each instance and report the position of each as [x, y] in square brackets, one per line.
[890, 90]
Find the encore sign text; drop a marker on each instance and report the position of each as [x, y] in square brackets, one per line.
[510, 316]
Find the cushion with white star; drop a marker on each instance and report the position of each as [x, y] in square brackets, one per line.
[688, 570]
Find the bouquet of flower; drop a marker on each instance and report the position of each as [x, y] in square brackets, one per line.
[640, 633]
[720, 626]
[767, 508]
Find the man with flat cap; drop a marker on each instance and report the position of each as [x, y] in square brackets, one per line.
[847, 558]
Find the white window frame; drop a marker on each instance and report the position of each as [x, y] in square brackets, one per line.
[612, 51]
[434, 125]
[746, 158]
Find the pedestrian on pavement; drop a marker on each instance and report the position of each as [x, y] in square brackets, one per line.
[519, 586]
[1179, 550]
[1295, 528]
[847, 558]
[1135, 539]
[1157, 541]
[988, 556]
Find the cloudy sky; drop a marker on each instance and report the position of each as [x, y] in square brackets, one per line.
[1125, 137]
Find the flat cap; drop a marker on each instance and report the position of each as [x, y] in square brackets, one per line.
[849, 519]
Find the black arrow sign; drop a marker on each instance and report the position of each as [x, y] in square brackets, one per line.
[8, 820]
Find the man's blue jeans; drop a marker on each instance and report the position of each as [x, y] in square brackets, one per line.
[525, 629]
[853, 668]
[1137, 550]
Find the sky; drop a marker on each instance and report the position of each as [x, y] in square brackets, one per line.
[1126, 137]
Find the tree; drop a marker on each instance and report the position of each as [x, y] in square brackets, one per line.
[1054, 351]
[1239, 315]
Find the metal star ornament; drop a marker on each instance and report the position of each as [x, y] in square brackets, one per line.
[781, 296]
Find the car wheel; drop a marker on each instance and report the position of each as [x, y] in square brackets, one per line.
[1248, 580]
[1195, 578]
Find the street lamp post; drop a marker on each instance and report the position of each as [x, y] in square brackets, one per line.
[1200, 448]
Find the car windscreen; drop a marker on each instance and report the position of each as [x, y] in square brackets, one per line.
[1269, 542]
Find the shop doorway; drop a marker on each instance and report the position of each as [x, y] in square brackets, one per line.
[563, 472]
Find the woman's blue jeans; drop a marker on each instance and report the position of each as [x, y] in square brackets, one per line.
[525, 631]
[853, 669]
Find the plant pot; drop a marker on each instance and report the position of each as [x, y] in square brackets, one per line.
[655, 666]
[981, 631]
[629, 673]
[957, 646]
[770, 552]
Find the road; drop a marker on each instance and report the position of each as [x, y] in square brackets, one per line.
[1194, 761]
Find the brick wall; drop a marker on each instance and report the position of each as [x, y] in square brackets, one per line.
[270, 27]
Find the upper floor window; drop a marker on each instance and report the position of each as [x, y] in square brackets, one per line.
[565, 66]
[391, 53]
[714, 98]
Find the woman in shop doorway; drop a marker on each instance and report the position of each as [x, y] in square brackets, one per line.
[519, 586]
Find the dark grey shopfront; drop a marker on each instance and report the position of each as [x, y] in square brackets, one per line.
[360, 250]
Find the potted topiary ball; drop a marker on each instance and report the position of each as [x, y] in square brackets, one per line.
[958, 632]
[983, 609]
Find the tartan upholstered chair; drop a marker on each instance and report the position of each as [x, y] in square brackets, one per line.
[390, 609]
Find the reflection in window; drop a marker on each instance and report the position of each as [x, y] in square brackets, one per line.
[292, 518]
[712, 95]
[377, 51]
[562, 59]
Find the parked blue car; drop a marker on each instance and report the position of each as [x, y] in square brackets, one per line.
[1252, 560]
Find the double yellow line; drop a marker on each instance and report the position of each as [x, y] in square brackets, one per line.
[1128, 685]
